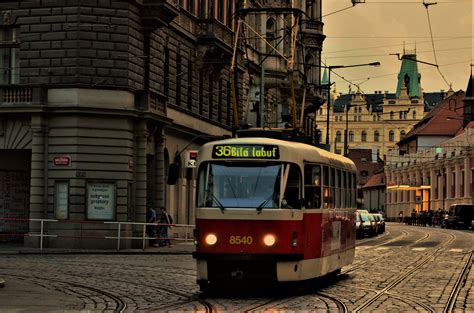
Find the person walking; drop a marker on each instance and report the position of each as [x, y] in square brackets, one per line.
[151, 229]
[165, 220]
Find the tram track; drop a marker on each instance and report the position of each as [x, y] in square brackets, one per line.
[461, 280]
[400, 278]
[120, 304]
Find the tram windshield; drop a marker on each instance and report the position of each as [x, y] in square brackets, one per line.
[246, 185]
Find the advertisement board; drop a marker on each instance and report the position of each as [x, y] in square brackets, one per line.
[101, 200]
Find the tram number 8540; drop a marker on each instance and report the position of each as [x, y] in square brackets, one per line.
[240, 240]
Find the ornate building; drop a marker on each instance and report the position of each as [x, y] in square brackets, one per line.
[437, 168]
[379, 120]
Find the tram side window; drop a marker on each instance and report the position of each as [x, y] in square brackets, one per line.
[354, 191]
[326, 196]
[312, 186]
[348, 189]
[293, 187]
[332, 181]
[337, 189]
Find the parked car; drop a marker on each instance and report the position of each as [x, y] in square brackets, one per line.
[460, 216]
[375, 222]
[365, 226]
[381, 222]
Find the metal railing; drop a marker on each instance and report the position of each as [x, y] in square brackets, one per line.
[144, 236]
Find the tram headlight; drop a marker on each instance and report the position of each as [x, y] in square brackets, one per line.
[269, 240]
[211, 239]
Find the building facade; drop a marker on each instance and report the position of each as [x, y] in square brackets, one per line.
[99, 97]
[436, 168]
[379, 120]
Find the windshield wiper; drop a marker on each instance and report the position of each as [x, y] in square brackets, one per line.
[214, 198]
[260, 207]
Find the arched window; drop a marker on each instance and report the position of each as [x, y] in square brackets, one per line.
[376, 136]
[270, 33]
[338, 136]
[414, 115]
[402, 134]
[391, 135]
[351, 136]
[363, 136]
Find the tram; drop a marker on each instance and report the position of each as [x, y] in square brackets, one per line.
[271, 211]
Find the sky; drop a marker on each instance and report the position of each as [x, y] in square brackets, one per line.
[371, 31]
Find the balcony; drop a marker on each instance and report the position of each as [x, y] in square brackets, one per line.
[159, 13]
[22, 95]
[312, 33]
[214, 40]
[153, 102]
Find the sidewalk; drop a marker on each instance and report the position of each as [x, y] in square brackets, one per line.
[176, 248]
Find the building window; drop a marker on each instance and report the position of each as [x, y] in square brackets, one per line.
[391, 135]
[359, 118]
[351, 136]
[402, 134]
[391, 115]
[270, 34]
[220, 11]
[211, 96]
[374, 117]
[401, 115]
[179, 77]
[9, 56]
[201, 91]
[338, 136]
[219, 101]
[376, 136]
[414, 115]
[355, 118]
[190, 85]
[363, 136]
[166, 73]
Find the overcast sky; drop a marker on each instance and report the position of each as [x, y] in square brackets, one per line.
[370, 31]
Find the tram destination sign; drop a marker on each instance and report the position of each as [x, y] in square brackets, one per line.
[246, 151]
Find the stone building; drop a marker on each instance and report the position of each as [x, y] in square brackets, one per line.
[377, 120]
[99, 97]
[436, 168]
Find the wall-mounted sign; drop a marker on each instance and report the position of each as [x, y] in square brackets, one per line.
[101, 200]
[63, 160]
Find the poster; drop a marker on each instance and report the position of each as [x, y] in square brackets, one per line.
[101, 201]
[61, 200]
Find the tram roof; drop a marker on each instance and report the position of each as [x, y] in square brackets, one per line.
[289, 150]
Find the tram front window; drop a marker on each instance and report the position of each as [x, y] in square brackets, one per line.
[241, 185]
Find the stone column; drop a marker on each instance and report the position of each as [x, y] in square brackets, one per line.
[140, 171]
[467, 177]
[449, 182]
[160, 187]
[433, 184]
[457, 183]
[38, 179]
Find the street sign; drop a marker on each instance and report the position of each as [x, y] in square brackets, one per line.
[64, 160]
[190, 158]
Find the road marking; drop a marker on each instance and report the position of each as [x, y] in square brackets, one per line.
[382, 248]
[419, 249]
[455, 250]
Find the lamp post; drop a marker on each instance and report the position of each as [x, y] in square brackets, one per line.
[440, 176]
[330, 68]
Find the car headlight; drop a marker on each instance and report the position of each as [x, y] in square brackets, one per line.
[211, 239]
[269, 240]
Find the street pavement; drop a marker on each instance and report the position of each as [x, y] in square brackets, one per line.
[43, 299]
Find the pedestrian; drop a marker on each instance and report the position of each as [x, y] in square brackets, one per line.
[151, 229]
[400, 217]
[165, 223]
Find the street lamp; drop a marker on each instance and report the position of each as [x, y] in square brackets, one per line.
[332, 67]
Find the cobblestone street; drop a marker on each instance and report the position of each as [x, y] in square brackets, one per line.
[408, 269]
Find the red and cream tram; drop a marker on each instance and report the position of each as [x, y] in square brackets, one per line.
[271, 211]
